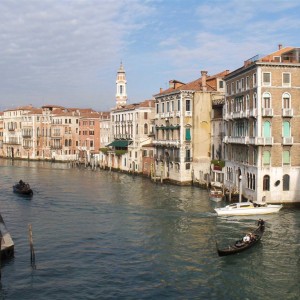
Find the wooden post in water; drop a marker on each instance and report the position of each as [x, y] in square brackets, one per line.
[32, 255]
[0, 255]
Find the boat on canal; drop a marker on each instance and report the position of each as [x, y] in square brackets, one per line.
[22, 188]
[247, 208]
[216, 195]
[246, 242]
[7, 244]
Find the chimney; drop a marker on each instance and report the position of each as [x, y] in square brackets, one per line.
[279, 46]
[203, 76]
[160, 90]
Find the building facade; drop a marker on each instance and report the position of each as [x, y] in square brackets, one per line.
[183, 128]
[262, 115]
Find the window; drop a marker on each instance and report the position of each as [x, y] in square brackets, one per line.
[188, 134]
[172, 105]
[145, 128]
[286, 157]
[221, 84]
[286, 182]
[286, 79]
[247, 82]
[157, 108]
[286, 100]
[163, 107]
[121, 89]
[188, 105]
[145, 115]
[168, 106]
[266, 158]
[266, 183]
[178, 104]
[266, 100]
[267, 79]
[286, 129]
[254, 79]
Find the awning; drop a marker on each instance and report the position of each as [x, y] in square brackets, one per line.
[119, 143]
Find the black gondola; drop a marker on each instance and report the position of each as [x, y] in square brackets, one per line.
[22, 188]
[242, 245]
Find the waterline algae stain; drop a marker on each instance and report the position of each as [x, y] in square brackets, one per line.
[105, 235]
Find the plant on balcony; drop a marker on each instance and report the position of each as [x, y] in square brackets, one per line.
[120, 152]
[103, 150]
[218, 164]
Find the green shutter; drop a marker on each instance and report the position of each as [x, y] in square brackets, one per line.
[286, 157]
[187, 134]
[266, 158]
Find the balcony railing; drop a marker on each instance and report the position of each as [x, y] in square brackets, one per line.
[287, 112]
[188, 159]
[287, 140]
[267, 112]
[253, 112]
[248, 140]
[166, 143]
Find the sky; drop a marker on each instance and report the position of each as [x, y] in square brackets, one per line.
[68, 52]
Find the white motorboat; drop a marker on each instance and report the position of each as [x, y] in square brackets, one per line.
[247, 208]
[216, 195]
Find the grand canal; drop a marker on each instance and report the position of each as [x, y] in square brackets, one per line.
[106, 235]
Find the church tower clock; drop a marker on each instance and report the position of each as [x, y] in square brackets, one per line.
[121, 95]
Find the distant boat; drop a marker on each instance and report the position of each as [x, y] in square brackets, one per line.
[216, 195]
[7, 244]
[242, 244]
[247, 208]
[22, 188]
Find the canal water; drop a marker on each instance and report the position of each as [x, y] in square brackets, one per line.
[106, 235]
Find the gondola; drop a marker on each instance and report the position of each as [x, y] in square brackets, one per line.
[22, 188]
[242, 245]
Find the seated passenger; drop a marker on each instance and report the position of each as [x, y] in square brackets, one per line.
[246, 238]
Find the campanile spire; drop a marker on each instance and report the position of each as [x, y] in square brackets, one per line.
[121, 94]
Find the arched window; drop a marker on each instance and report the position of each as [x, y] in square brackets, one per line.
[266, 158]
[286, 129]
[254, 100]
[266, 100]
[253, 183]
[286, 182]
[286, 100]
[137, 129]
[66, 143]
[266, 183]
[145, 128]
[70, 142]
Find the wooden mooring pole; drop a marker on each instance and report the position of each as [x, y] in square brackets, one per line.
[32, 255]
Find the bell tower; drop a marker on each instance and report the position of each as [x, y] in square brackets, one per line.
[121, 95]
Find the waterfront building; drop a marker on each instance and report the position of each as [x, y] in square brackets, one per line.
[105, 137]
[89, 135]
[12, 131]
[183, 128]
[262, 140]
[1, 134]
[130, 127]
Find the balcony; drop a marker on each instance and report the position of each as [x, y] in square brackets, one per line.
[262, 141]
[188, 114]
[227, 116]
[287, 112]
[287, 140]
[12, 141]
[177, 113]
[267, 112]
[253, 112]
[56, 147]
[237, 115]
[167, 143]
[188, 159]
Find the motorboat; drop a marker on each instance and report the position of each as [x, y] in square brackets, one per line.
[247, 208]
[245, 243]
[216, 195]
